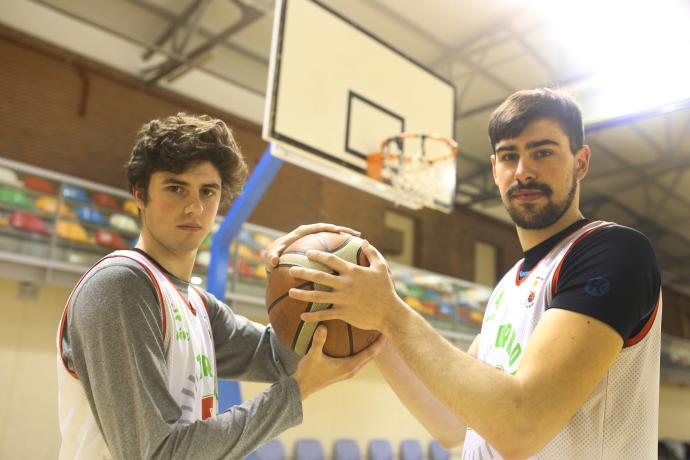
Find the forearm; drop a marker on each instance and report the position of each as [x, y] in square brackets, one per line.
[249, 351]
[468, 387]
[238, 431]
[441, 423]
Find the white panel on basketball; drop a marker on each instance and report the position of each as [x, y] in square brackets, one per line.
[336, 92]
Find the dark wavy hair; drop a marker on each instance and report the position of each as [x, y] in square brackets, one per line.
[177, 142]
[523, 107]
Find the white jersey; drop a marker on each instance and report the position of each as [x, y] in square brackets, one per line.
[190, 360]
[619, 420]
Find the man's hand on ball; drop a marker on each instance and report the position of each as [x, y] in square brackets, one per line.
[274, 250]
[317, 370]
[365, 297]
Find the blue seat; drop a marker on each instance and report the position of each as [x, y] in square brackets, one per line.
[308, 449]
[379, 449]
[411, 449]
[272, 450]
[346, 449]
[436, 452]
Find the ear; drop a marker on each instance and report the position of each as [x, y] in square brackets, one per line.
[582, 158]
[138, 197]
[493, 167]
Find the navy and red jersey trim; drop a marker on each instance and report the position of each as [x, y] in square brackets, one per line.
[637, 338]
[519, 280]
[554, 280]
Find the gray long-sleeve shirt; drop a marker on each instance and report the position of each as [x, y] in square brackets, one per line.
[113, 341]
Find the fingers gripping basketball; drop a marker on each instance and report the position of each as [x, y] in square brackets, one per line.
[284, 312]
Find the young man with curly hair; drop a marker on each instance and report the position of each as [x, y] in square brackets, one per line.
[140, 349]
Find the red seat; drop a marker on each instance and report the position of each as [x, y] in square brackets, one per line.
[28, 222]
[107, 201]
[39, 184]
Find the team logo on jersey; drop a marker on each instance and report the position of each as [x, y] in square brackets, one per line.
[597, 286]
[529, 303]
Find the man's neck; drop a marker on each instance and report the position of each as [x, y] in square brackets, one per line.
[531, 238]
[179, 264]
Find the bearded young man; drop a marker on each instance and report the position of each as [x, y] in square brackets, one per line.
[140, 349]
[567, 362]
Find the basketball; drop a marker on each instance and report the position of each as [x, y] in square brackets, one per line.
[284, 312]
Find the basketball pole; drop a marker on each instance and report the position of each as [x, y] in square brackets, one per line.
[261, 177]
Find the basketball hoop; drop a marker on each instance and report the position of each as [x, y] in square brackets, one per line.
[420, 167]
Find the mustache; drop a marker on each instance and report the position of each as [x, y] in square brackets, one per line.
[532, 186]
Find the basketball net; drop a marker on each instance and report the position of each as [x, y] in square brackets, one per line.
[417, 166]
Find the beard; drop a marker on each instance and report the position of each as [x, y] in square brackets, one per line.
[529, 216]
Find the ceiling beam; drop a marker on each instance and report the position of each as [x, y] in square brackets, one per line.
[518, 37]
[135, 41]
[170, 17]
[491, 28]
[495, 103]
[249, 15]
[645, 220]
[643, 176]
[653, 168]
[198, 7]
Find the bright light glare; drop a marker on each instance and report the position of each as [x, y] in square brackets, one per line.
[449, 177]
[196, 280]
[637, 50]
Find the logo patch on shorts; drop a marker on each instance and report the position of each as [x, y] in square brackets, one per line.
[597, 286]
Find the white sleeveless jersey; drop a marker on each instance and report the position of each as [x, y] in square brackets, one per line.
[189, 354]
[619, 420]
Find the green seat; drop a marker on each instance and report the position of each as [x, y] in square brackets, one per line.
[15, 198]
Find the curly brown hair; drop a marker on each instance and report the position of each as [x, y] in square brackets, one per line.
[177, 142]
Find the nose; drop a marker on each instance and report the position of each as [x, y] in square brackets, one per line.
[524, 172]
[195, 206]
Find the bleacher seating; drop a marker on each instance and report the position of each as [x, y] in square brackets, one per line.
[346, 449]
[411, 449]
[379, 449]
[272, 450]
[436, 452]
[308, 449]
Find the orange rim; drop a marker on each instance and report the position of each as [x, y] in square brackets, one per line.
[384, 151]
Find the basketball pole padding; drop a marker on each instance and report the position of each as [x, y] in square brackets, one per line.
[261, 177]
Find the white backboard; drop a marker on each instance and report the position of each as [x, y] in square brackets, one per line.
[336, 91]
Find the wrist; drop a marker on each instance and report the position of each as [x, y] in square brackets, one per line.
[396, 320]
[304, 390]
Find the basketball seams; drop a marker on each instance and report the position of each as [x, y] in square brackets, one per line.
[324, 244]
[341, 245]
[306, 285]
[350, 340]
[343, 339]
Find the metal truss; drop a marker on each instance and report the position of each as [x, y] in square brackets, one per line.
[172, 67]
[171, 55]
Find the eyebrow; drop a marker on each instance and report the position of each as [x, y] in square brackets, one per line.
[173, 181]
[529, 145]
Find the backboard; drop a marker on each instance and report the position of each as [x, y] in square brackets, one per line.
[336, 91]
